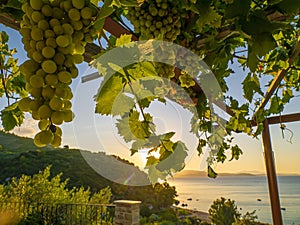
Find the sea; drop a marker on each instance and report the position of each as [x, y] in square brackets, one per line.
[249, 193]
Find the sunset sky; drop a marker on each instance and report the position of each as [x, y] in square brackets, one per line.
[93, 132]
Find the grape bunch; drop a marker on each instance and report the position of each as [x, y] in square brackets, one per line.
[159, 19]
[54, 34]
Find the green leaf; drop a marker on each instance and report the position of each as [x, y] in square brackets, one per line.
[4, 37]
[289, 6]
[16, 14]
[236, 151]
[105, 11]
[14, 4]
[276, 105]
[95, 2]
[202, 143]
[173, 161]
[186, 81]
[151, 160]
[252, 60]
[130, 127]
[116, 68]
[259, 23]
[273, 2]
[123, 40]
[251, 86]
[122, 104]
[11, 117]
[238, 8]
[263, 43]
[155, 175]
[211, 173]
[208, 16]
[107, 94]
[129, 3]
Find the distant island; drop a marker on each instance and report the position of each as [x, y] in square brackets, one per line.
[198, 173]
[195, 173]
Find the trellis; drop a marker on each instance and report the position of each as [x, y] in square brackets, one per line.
[117, 30]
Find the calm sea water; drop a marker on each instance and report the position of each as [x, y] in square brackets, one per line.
[245, 190]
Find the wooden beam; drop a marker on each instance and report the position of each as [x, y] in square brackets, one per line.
[117, 29]
[284, 118]
[271, 175]
[280, 119]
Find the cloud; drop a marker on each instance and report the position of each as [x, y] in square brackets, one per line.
[28, 129]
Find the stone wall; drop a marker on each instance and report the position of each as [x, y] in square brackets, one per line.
[127, 212]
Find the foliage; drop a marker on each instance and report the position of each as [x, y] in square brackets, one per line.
[261, 36]
[263, 53]
[41, 188]
[223, 212]
[29, 160]
[12, 84]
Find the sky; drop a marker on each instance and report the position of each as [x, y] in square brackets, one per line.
[98, 133]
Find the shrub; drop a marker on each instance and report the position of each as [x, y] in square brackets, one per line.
[223, 212]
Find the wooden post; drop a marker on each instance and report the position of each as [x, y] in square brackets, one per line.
[271, 174]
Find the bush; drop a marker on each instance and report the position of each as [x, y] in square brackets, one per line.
[223, 212]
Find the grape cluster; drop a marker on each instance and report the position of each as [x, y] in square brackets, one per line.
[159, 19]
[54, 34]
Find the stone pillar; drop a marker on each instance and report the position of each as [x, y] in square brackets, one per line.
[127, 212]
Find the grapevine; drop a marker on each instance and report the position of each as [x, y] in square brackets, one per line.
[54, 34]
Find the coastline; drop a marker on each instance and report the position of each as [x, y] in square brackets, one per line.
[203, 216]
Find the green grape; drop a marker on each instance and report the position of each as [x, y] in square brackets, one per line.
[57, 117]
[43, 124]
[44, 112]
[154, 19]
[54, 34]
[68, 115]
[24, 104]
[56, 142]
[43, 138]
[56, 103]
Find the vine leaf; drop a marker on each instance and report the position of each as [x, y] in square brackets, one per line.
[123, 40]
[289, 6]
[236, 151]
[107, 93]
[105, 11]
[11, 117]
[207, 16]
[130, 127]
[173, 160]
[130, 3]
[251, 86]
[273, 2]
[122, 104]
[13, 8]
[252, 60]
[263, 43]
[238, 8]
[154, 174]
[211, 173]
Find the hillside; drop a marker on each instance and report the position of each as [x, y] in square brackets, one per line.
[18, 155]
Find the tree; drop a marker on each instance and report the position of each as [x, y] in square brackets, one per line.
[41, 188]
[223, 212]
[12, 85]
[261, 36]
